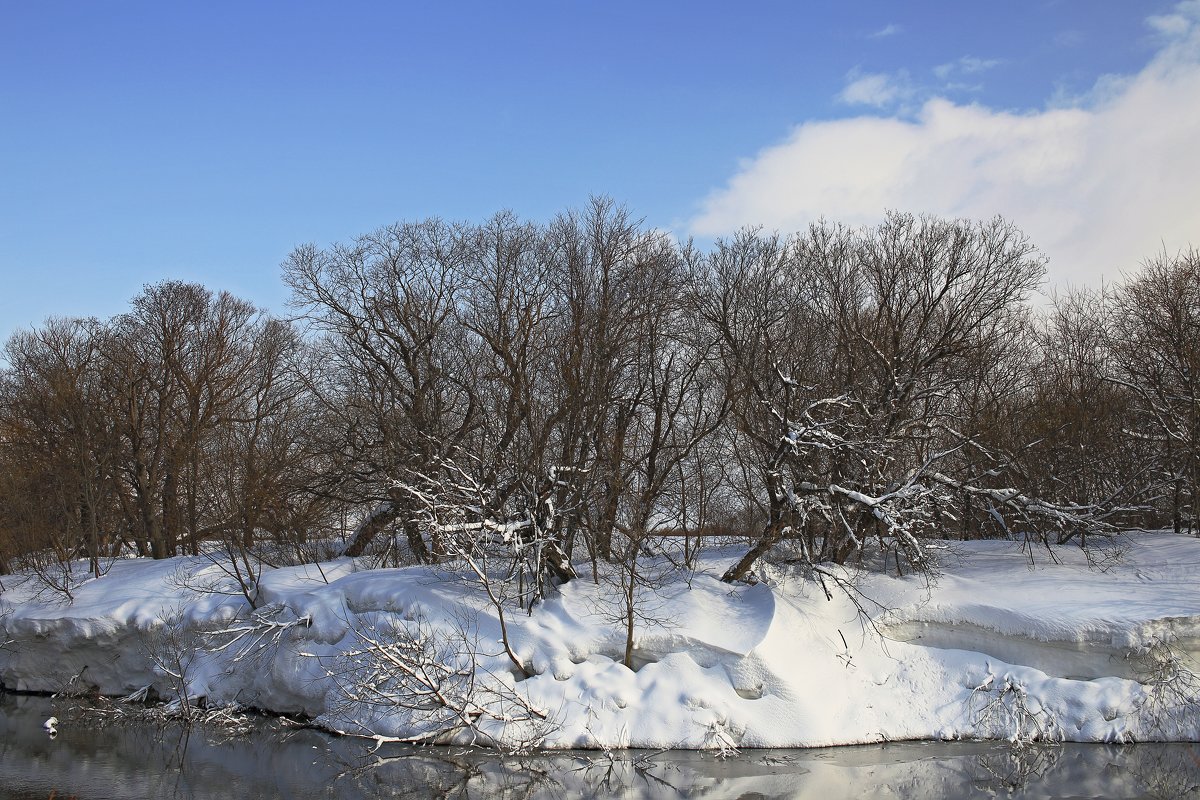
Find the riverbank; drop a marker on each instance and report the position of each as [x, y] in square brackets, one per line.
[995, 647]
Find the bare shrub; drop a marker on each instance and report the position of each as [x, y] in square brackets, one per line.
[1005, 709]
[409, 675]
[173, 647]
[1170, 701]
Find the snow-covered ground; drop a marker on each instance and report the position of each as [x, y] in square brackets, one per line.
[993, 648]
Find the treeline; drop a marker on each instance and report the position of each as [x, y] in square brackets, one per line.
[576, 388]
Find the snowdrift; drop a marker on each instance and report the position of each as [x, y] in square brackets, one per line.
[995, 647]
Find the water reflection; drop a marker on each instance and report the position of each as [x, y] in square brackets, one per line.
[140, 761]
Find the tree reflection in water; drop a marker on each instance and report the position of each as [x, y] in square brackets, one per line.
[278, 760]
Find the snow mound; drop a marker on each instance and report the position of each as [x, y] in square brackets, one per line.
[996, 647]
[1067, 619]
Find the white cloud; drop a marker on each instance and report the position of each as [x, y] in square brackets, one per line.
[1099, 185]
[970, 64]
[875, 89]
[1169, 25]
[960, 87]
[967, 65]
[891, 29]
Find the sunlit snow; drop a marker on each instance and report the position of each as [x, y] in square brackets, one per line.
[999, 645]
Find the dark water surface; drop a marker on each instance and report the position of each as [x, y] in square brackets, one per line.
[144, 761]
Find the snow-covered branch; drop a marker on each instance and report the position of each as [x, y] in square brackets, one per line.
[405, 680]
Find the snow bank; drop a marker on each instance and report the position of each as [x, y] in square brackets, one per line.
[995, 648]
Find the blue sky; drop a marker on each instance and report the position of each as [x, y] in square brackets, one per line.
[203, 141]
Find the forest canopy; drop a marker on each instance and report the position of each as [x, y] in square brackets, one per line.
[581, 388]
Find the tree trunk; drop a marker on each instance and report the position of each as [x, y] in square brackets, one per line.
[770, 537]
[172, 518]
[416, 544]
[376, 521]
[630, 616]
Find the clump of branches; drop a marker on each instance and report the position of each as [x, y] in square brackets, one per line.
[55, 573]
[496, 536]
[492, 524]
[6, 638]
[173, 647]
[1004, 709]
[721, 740]
[139, 708]
[428, 681]
[1170, 702]
[248, 640]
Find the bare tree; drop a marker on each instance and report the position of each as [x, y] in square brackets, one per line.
[613, 278]
[856, 437]
[385, 305]
[1155, 341]
[58, 445]
[1069, 427]
[759, 307]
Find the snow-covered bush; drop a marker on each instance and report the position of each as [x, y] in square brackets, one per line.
[1170, 703]
[406, 680]
[1004, 709]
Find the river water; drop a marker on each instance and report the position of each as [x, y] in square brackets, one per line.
[277, 760]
